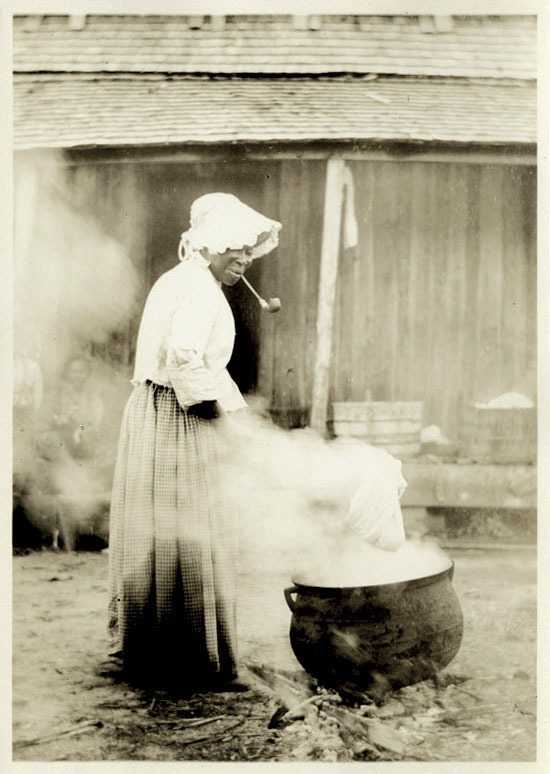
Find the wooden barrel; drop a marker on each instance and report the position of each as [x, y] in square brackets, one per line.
[499, 435]
[395, 426]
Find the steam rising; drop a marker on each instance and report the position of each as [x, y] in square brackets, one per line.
[75, 288]
[75, 284]
[293, 491]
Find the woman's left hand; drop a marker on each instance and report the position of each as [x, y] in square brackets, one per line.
[206, 409]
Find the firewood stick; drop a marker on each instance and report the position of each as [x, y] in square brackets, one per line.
[188, 723]
[460, 710]
[271, 679]
[338, 712]
[468, 693]
[52, 737]
[203, 721]
[210, 737]
[293, 712]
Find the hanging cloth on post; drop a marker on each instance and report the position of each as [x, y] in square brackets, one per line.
[351, 230]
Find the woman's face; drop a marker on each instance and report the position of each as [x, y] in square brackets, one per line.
[230, 266]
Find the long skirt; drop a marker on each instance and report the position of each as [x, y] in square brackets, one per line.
[172, 546]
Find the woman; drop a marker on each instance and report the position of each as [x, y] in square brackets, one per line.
[172, 542]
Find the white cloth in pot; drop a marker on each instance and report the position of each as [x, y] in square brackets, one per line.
[375, 510]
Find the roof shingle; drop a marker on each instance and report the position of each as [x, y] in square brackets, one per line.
[83, 110]
[477, 46]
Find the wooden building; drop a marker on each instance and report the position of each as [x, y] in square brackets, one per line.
[398, 152]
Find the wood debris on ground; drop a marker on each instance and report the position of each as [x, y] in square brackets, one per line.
[319, 724]
[78, 729]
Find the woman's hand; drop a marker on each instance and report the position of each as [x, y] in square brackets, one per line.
[206, 409]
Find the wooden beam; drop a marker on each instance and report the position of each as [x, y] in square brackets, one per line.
[447, 485]
[180, 154]
[330, 249]
[77, 22]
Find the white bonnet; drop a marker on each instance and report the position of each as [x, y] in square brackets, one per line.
[220, 222]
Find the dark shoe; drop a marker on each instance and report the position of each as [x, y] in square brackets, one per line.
[111, 667]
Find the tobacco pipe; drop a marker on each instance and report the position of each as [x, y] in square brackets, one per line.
[273, 305]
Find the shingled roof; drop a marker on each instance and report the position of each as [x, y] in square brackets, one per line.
[73, 110]
[474, 46]
[124, 80]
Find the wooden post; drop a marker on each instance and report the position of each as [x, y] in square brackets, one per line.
[330, 248]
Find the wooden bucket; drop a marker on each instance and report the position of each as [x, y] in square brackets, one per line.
[499, 435]
[395, 426]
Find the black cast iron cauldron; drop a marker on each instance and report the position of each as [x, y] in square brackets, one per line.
[376, 638]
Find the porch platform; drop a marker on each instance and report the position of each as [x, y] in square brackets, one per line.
[469, 485]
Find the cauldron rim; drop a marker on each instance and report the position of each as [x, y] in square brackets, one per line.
[420, 580]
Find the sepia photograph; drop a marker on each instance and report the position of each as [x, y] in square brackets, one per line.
[274, 491]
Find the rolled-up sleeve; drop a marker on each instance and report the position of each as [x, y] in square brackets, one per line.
[190, 329]
[229, 395]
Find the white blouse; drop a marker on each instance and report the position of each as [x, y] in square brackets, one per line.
[186, 337]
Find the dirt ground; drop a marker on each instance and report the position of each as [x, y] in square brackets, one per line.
[63, 711]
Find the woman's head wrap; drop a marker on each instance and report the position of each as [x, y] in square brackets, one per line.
[220, 222]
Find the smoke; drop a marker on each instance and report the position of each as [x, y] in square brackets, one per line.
[75, 284]
[76, 289]
[293, 491]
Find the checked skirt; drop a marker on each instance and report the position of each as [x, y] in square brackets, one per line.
[172, 545]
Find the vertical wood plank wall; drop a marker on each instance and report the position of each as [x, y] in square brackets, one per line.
[287, 344]
[438, 301]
